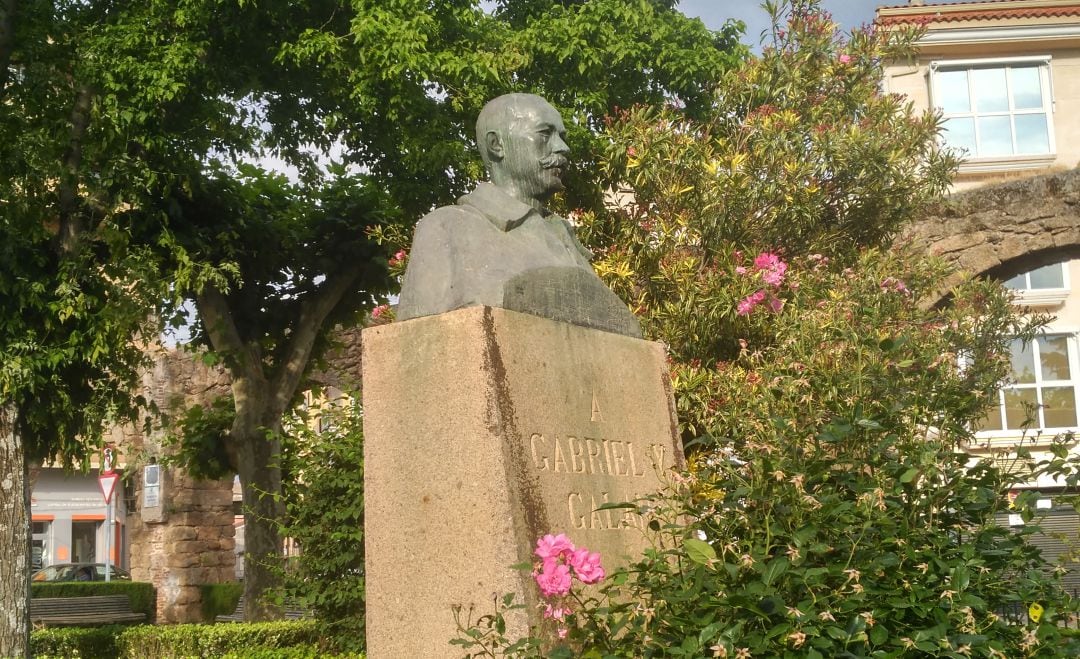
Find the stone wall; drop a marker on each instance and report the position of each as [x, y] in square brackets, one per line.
[187, 540]
[1003, 230]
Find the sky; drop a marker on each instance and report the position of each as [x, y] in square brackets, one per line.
[848, 13]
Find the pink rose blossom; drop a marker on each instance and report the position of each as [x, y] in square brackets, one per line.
[553, 579]
[553, 546]
[586, 566]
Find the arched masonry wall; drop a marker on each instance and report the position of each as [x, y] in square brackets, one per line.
[1003, 230]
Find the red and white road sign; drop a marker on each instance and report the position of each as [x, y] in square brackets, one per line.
[107, 482]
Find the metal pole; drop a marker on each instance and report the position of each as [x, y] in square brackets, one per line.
[108, 537]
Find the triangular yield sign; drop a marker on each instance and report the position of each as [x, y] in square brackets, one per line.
[107, 482]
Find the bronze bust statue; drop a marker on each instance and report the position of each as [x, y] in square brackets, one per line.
[499, 246]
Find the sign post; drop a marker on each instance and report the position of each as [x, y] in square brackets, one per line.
[107, 481]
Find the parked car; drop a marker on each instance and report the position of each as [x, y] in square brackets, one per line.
[78, 572]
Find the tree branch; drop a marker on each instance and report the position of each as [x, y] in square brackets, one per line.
[71, 221]
[312, 314]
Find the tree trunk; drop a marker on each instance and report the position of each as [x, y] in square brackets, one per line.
[14, 541]
[259, 466]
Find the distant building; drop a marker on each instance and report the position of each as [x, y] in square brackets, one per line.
[1005, 75]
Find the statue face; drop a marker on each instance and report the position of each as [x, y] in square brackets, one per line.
[535, 151]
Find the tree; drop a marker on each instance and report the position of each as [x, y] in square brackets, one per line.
[74, 296]
[270, 265]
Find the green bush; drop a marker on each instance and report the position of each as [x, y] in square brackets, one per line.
[220, 599]
[143, 596]
[238, 639]
[295, 652]
[82, 642]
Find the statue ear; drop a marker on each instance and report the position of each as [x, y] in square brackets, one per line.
[493, 145]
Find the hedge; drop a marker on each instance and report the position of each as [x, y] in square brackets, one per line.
[220, 599]
[142, 596]
[83, 642]
[241, 639]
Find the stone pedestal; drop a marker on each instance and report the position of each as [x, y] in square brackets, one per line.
[484, 430]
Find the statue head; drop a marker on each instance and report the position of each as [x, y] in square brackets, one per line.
[522, 141]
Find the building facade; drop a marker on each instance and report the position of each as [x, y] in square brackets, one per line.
[1005, 76]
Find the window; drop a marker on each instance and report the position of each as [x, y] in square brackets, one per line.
[995, 108]
[1042, 391]
[1047, 285]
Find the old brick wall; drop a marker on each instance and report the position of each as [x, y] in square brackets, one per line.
[188, 539]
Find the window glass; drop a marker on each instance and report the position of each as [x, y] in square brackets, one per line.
[1031, 134]
[1021, 408]
[995, 136]
[990, 89]
[1054, 357]
[1059, 407]
[959, 133]
[992, 420]
[952, 91]
[1048, 276]
[1026, 87]
[1023, 362]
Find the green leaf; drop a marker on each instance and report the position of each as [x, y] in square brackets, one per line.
[699, 551]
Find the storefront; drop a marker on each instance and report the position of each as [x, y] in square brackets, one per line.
[69, 517]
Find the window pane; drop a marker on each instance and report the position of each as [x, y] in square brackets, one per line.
[992, 420]
[1017, 283]
[995, 136]
[959, 133]
[952, 91]
[1021, 408]
[1023, 362]
[1059, 407]
[1026, 87]
[1054, 357]
[1048, 276]
[990, 90]
[1031, 134]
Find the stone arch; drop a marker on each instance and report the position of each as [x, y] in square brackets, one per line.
[1003, 230]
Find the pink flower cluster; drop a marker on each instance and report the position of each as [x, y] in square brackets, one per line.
[560, 563]
[772, 270]
[558, 557]
[892, 284]
[379, 311]
[397, 259]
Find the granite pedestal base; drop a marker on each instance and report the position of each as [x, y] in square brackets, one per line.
[484, 430]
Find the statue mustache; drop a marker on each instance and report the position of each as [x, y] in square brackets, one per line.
[554, 160]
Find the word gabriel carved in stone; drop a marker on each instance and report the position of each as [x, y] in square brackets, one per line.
[573, 455]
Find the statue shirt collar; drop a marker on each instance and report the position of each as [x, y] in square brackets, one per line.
[504, 211]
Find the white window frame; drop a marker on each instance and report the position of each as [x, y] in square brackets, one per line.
[1044, 297]
[975, 162]
[1072, 336]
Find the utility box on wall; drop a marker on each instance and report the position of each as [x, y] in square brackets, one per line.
[152, 510]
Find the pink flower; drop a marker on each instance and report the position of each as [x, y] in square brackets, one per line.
[586, 566]
[556, 612]
[894, 284]
[740, 270]
[563, 631]
[553, 578]
[748, 303]
[776, 304]
[772, 268]
[379, 311]
[844, 58]
[398, 258]
[551, 547]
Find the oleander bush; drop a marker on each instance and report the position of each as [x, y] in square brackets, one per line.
[831, 508]
[143, 596]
